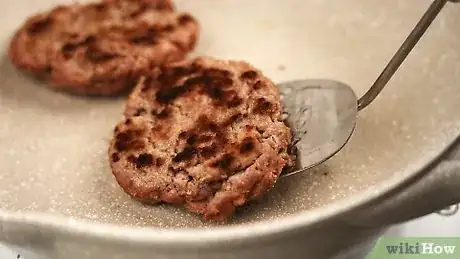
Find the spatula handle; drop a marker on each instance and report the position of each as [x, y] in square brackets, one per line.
[402, 52]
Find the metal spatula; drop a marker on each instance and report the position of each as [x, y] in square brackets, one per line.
[323, 113]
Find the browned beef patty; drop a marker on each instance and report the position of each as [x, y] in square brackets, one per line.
[205, 133]
[101, 48]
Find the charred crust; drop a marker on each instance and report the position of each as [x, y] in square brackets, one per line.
[150, 36]
[170, 75]
[115, 157]
[262, 106]
[208, 151]
[259, 84]
[225, 161]
[161, 5]
[131, 82]
[187, 154]
[235, 101]
[183, 135]
[204, 124]
[217, 72]
[249, 128]
[192, 139]
[195, 139]
[40, 26]
[95, 54]
[157, 128]
[144, 160]
[132, 159]
[159, 161]
[249, 75]
[147, 39]
[162, 114]
[128, 140]
[88, 40]
[169, 28]
[214, 92]
[69, 48]
[167, 95]
[205, 138]
[185, 18]
[140, 111]
[260, 130]
[247, 145]
[212, 82]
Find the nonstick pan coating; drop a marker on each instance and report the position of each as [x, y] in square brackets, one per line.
[53, 146]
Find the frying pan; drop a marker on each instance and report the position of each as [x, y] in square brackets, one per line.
[58, 197]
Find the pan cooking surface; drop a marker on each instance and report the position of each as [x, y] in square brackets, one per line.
[53, 155]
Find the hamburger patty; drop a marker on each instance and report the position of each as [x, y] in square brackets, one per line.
[101, 48]
[205, 133]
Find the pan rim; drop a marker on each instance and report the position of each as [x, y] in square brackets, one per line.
[181, 239]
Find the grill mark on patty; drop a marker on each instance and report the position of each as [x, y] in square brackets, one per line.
[212, 82]
[249, 75]
[184, 19]
[69, 49]
[40, 26]
[187, 154]
[95, 54]
[129, 140]
[143, 160]
[247, 145]
[263, 106]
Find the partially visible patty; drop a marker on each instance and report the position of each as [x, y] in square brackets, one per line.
[205, 133]
[102, 48]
